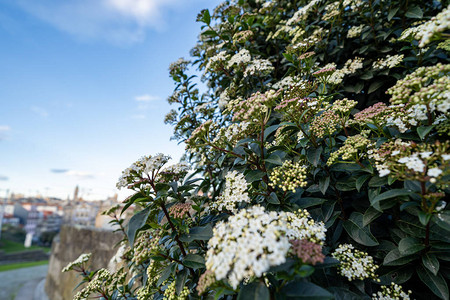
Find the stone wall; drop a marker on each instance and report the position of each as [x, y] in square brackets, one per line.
[67, 246]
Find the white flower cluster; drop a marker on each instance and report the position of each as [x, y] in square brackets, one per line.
[355, 31]
[393, 292]
[100, 281]
[177, 168]
[332, 10]
[259, 67]
[145, 165]
[350, 67]
[288, 82]
[231, 134]
[242, 57]
[419, 112]
[389, 62]
[235, 192]
[397, 122]
[224, 98]
[180, 64]
[203, 107]
[78, 262]
[253, 240]
[426, 31]
[302, 13]
[354, 264]
[436, 25]
[413, 162]
[353, 4]
[219, 58]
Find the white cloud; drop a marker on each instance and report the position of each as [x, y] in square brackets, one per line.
[73, 173]
[79, 174]
[3, 130]
[40, 111]
[146, 98]
[3, 178]
[118, 21]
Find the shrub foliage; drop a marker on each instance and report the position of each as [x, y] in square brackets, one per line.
[317, 161]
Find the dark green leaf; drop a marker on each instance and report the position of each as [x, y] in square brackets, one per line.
[136, 222]
[273, 199]
[377, 181]
[414, 229]
[431, 263]
[165, 274]
[423, 131]
[341, 293]
[395, 258]
[275, 159]
[375, 202]
[375, 86]
[269, 130]
[437, 284]
[181, 280]
[254, 291]
[360, 181]
[392, 12]
[305, 271]
[370, 215]
[206, 17]
[200, 233]
[220, 160]
[359, 233]
[254, 175]
[410, 245]
[442, 220]
[132, 199]
[414, 12]
[399, 275]
[313, 156]
[424, 218]
[194, 261]
[305, 290]
[308, 202]
[324, 182]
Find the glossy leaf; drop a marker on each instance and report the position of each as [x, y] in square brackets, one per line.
[201, 233]
[254, 291]
[410, 245]
[305, 290]
[431, 263]
[194, 261]
[136, 222]
[436, 284]
[356, 230]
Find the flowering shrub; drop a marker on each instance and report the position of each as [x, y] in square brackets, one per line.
[320, 160]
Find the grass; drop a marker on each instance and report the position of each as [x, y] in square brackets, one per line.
[14, 266]
[10, 247]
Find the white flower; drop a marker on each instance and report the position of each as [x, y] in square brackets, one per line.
[413, 162]
[242, 57]
[253, 240]
[434, 172]
[354, 264]
[446, 156]
[426, 154]
[235, 192]
[389, 62]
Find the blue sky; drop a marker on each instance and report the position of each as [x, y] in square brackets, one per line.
[83, 88]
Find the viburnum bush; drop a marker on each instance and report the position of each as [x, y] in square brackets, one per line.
[317, 164]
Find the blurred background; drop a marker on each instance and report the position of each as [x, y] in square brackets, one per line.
[83, 89]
